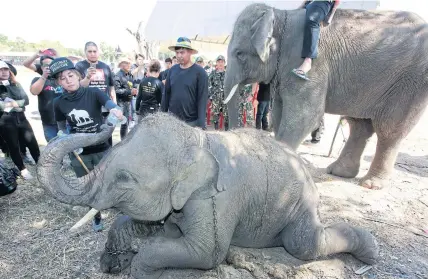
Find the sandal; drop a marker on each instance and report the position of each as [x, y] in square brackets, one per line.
[300, 74]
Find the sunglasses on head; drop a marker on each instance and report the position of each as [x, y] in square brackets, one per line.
[183, 39]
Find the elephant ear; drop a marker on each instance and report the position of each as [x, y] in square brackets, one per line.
[196, 178]
[262, 32]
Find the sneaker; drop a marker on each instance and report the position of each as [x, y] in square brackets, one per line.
[26, 174]
[97, 225]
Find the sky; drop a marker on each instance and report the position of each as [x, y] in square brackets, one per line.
[78, 21]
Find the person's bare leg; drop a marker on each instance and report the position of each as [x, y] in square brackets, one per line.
[305, 67]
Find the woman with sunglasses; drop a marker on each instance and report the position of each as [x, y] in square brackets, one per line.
[14, 126]
[46, 89]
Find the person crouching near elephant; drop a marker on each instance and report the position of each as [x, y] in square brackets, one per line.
[81, 107]
[14, 126]
[150, 92]
[316, 12]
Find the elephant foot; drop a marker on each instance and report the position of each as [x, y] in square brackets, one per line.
[369, 248]
[141, 271]
[343, 168]
[373, 182]
[116, 262]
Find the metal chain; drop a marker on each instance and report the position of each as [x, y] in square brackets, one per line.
[117, 262]
[275, 78]
[216, 248]
[117, 252]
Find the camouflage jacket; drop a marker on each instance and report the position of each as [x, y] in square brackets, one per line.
[216, 86]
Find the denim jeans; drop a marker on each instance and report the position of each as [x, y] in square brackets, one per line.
[316, 12]
[261, 116]
[316, 134]
[126, 110]
[50, 131]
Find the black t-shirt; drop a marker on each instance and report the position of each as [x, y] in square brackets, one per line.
[149, 93]
[50, 91]
[264, 92]
[103, 79]
[82, 110]
[186, 94]
[163, 75]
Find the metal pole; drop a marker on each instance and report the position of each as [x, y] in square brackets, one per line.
[334, 137]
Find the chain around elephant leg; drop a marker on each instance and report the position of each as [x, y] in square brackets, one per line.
[118, 253]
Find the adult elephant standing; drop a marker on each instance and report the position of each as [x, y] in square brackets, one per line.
[371, 69]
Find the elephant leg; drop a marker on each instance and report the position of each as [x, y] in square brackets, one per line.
[382, 164]
[202, 246]
[348, 163]
[307, 239]
[118, 254]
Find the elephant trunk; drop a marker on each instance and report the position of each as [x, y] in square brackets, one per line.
[76, 191]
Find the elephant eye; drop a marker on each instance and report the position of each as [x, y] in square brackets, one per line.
[124, 176]
[240, 55]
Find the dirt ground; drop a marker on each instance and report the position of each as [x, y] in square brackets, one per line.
[35, 241]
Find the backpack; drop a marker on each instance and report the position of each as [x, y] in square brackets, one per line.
[8, 177]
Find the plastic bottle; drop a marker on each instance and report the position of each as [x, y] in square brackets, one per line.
[114, 120]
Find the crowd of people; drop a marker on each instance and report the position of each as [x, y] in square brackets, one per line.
[78, 97]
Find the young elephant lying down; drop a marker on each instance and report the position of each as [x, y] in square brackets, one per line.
[212, 189]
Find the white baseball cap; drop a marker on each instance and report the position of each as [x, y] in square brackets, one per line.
[3, 65]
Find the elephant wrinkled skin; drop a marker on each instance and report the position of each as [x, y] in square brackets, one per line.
[371, 68]
[211, 189]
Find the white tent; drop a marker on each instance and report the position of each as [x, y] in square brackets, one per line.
[212, 21]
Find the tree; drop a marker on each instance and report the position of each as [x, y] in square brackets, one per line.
[3, 39]
[149, 49]
[18, 45]
[107, 52]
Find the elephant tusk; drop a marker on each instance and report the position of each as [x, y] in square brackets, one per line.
[232, 92]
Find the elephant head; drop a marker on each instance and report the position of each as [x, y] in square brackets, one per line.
[158, 168]
[253, 51]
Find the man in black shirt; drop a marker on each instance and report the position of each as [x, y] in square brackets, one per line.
[46, 89]
[97, 74]
[163, 75]
[263, 97]
[186, 87]
[150, 92]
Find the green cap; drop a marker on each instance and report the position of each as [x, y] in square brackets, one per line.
[199, 59]
[220, 57]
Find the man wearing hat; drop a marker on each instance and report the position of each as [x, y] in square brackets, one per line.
[42, 54]
[200, 61]
[186, 87]
[216, 92]
[123, 85]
